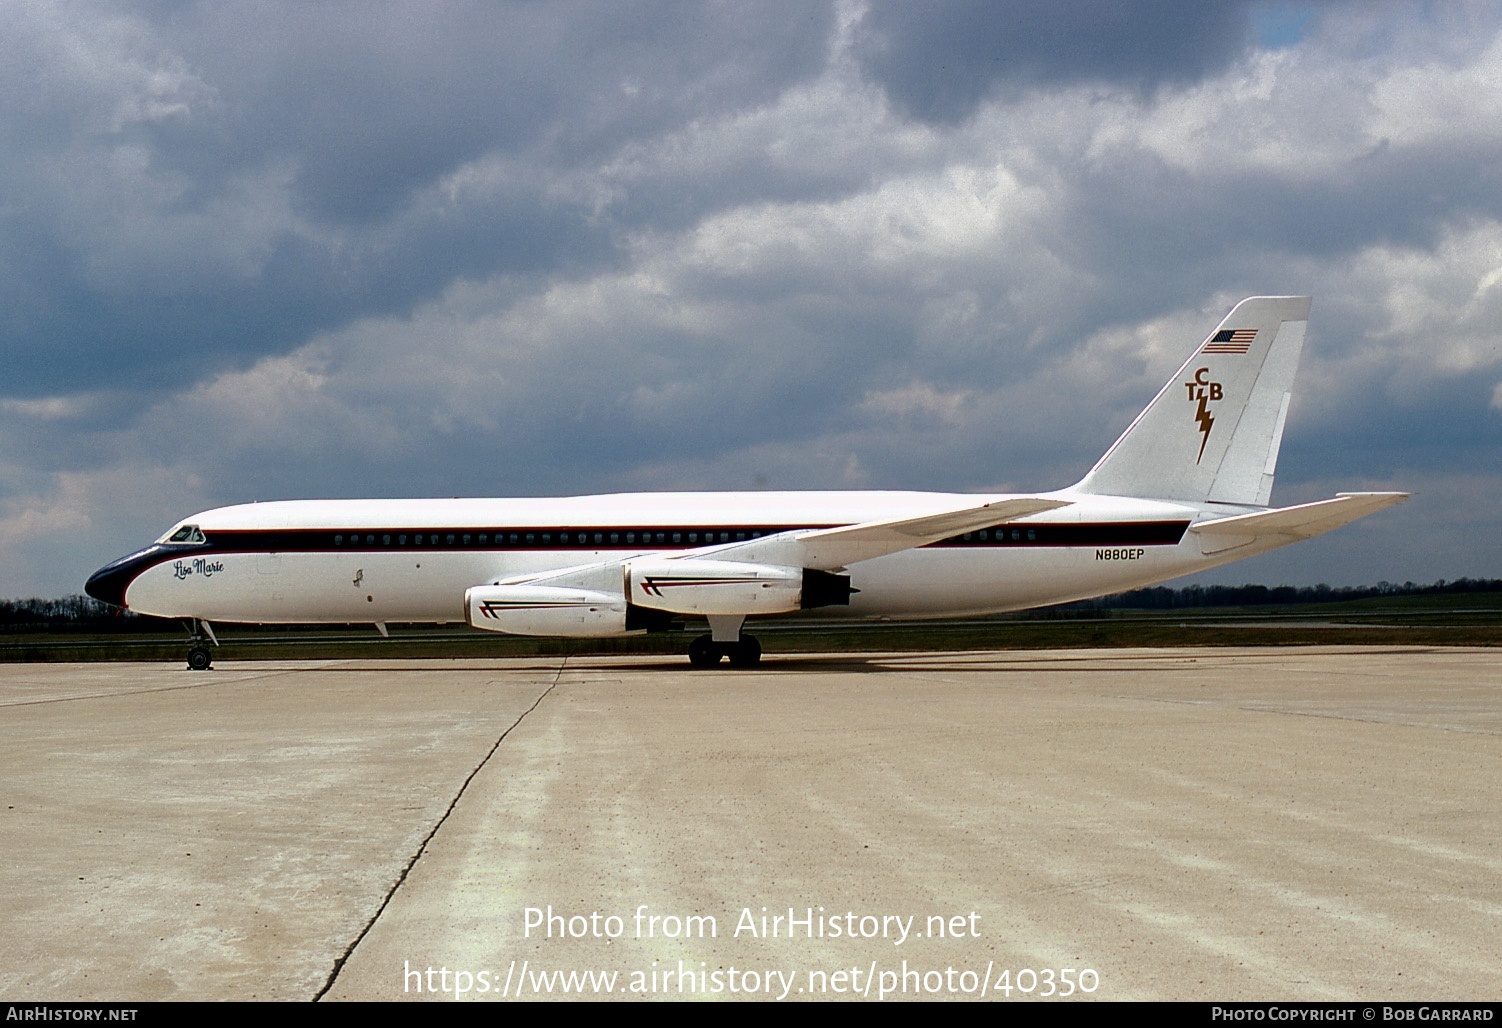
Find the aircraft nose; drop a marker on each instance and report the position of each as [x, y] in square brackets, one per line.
[109, 583]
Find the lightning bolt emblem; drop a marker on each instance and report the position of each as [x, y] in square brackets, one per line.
[1206, 421]
[1205, 391]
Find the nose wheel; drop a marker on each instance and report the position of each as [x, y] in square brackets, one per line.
[706, 652]
[200, 635]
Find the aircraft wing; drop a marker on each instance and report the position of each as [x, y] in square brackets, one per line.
[828, 549]
[825, 549]
[1304, 521]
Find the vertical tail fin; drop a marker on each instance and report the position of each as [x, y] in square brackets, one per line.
[1213, 431]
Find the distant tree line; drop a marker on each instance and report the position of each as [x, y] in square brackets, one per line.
[73, 613]
[85, 614]
[1165, 598]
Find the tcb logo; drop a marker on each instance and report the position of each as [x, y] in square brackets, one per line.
[1202, 388]
[1204, 391]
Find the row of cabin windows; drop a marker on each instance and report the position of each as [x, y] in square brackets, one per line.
[1002, 535]
[610, 538]
[616, 538]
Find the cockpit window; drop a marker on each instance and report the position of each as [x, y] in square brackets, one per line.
[186, 534]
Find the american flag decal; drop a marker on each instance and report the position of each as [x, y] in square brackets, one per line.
[1230, 340]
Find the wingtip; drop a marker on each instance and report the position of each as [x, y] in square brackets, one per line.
[1392, 498]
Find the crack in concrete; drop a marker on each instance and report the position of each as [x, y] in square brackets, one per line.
[422, 847]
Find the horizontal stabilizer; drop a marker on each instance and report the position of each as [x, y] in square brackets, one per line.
[831, 548]
[1305, 521]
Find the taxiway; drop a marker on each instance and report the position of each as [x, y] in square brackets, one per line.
[1288, 823]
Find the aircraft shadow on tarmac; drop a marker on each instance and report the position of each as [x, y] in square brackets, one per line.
[955, 662]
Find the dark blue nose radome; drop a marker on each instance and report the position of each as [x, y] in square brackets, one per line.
[110, 582]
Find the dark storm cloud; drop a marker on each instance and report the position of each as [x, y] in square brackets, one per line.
[209, 183]
[1145, 212]
[378, 100]
[938, 60]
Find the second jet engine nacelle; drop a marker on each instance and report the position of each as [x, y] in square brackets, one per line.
[545, 610]
[714, 586]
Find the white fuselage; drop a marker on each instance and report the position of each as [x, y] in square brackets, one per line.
[1186, 487]
[347, 561]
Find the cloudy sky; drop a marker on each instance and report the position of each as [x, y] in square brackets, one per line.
[258, 250]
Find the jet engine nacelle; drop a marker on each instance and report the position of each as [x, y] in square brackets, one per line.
[545, 610]
[707, 587]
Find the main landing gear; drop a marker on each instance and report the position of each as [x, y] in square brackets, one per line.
[725, 640]
[200, 635]
[743, 652]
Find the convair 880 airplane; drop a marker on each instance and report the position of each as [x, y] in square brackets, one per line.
[1185, 488]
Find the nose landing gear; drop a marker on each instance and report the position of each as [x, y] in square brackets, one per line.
[200, 635]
